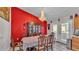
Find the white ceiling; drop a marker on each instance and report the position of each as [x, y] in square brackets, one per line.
[52, 13]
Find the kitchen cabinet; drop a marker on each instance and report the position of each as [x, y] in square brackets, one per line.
[75, 38]
[76, 22]
[75, 43]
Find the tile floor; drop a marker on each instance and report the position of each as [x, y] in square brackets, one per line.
[57, 46]
[60, 47]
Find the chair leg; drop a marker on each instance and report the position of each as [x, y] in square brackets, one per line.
[44, 48]
[47, 48]
[51, 47]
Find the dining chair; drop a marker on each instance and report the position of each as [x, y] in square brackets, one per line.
[19, 46]
[41, 43]
[49, 42]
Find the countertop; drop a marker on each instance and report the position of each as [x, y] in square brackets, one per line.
[75, 36]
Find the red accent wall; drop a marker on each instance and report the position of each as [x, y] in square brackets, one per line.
[19, 18]
[44, 27]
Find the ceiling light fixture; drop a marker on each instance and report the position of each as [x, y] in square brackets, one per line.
[42, 15]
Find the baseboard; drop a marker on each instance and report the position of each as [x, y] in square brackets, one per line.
[60, 42]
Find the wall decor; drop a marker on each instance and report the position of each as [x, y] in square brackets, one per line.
[5, 13]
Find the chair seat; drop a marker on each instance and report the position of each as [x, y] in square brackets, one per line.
[19, 45]
[48, 45]
[16, 48]
[40, 48]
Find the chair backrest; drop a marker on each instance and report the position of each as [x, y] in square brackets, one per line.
[21, 45]
[50, 39]
[41, 41]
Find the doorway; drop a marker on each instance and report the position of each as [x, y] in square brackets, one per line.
[55, 31]
[64, 32]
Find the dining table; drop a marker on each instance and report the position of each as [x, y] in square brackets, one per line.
[29, 42]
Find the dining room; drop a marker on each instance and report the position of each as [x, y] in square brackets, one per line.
[33, 29]
[26, 28]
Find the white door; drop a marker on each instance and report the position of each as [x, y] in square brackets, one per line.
[55, 31]
[64, 32]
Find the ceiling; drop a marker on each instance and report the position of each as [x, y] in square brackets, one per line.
[53, 13]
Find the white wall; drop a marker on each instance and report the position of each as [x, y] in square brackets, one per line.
[59, 28]
[4, 35]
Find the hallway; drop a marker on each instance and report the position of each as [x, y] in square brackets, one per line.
[60, 47]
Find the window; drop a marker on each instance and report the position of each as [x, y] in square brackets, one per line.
[64, 28]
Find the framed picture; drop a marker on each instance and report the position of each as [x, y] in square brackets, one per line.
[5, 12]
[48, 26]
